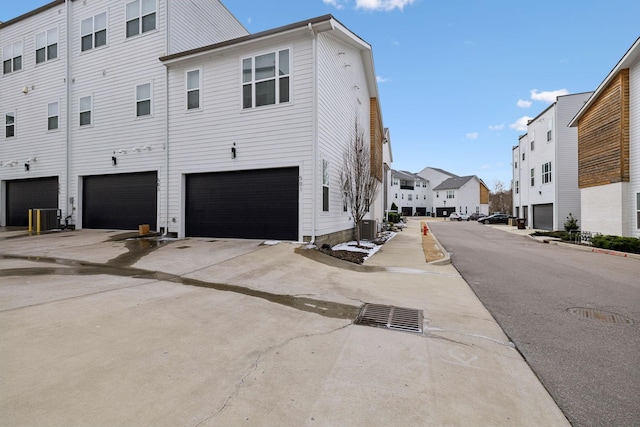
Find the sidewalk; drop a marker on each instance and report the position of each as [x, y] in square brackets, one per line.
[228, 333]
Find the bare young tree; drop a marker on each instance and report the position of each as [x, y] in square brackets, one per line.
[359, 186]
[500, 199]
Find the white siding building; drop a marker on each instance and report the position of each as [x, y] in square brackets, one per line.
[450, 193]
[545, 167]
[169, 113]
[410, 193]
[608, 127]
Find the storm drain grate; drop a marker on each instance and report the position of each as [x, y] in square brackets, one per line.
[603, 316]
[390, 317]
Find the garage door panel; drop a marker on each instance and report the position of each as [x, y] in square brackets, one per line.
[25, 194]
[255, 204]
[121, 201]
[543, 217]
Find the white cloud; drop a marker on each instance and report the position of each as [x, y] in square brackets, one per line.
[381, 79]
[497, 127]
[485, 167]
[383, 5]
[338, 4]
[472, 135]
[548, 96]
[524, 104]
[521, 123]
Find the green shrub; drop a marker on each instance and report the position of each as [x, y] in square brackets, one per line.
[393, 217]
[571, 223]
[617, 243]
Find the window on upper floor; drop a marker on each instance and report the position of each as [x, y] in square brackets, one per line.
[515, 164]
[141, 17]
[10, 124]
[533, 177]
[546, 173]
[93, 32]
[46, 45]
[53, 114]
[265, 79]
[86, 107]
[533, 145]
[410, 196]
[523, 157]
[451, 194]
[143, 100]
[12, 57]
[193, 89]
[550, 130]
[517, 186]
[325, 186]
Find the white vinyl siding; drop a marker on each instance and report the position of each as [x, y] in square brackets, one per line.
[209, 24]
[634, 148]
[46, 45]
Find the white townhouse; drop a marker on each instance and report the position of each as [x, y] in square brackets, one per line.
[608, 128]
[84, 102]
[258, 127]
[545, 167]
[169, 113]
[410, 193]
[452, 193]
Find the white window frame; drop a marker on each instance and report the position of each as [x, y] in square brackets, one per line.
[533, 177]
[517, 186]
[10, 125]
[89, 110]
[546, 173]
[187, 89]
[451, 194]
[46, 41]
[550, 130]
[325, 186]
[148, 99]
[279, 76]
[56, 115]
[9, 54]
[140, 15]
[93, 33]
[638, 211]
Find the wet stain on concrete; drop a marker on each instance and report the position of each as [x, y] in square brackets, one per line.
[137, 248]
[81, 268]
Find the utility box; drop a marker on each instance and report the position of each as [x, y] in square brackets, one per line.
[521, 223]
[368, 229]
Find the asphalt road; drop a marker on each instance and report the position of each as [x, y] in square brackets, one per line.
[590, 367]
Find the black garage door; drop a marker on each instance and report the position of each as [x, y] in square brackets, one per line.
[254, 204]
[121, 201]
[25, 194]
[543, 217]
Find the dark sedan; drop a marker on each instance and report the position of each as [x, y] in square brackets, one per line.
[495, 219]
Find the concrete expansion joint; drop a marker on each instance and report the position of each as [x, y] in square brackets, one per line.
[256, 363]
[468, 334]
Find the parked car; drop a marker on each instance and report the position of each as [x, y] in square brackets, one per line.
[495, 219]
[458, 216]
[476, 216]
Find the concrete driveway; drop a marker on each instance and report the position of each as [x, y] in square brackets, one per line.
[100, 331]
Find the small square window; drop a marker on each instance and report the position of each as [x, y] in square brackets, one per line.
[140, 16]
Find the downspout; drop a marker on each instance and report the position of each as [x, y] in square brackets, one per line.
[69, 205]
[315, 135]
[166, 123]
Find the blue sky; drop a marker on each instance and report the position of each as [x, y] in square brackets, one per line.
[458, 78]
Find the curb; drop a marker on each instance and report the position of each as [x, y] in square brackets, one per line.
[447, 256]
